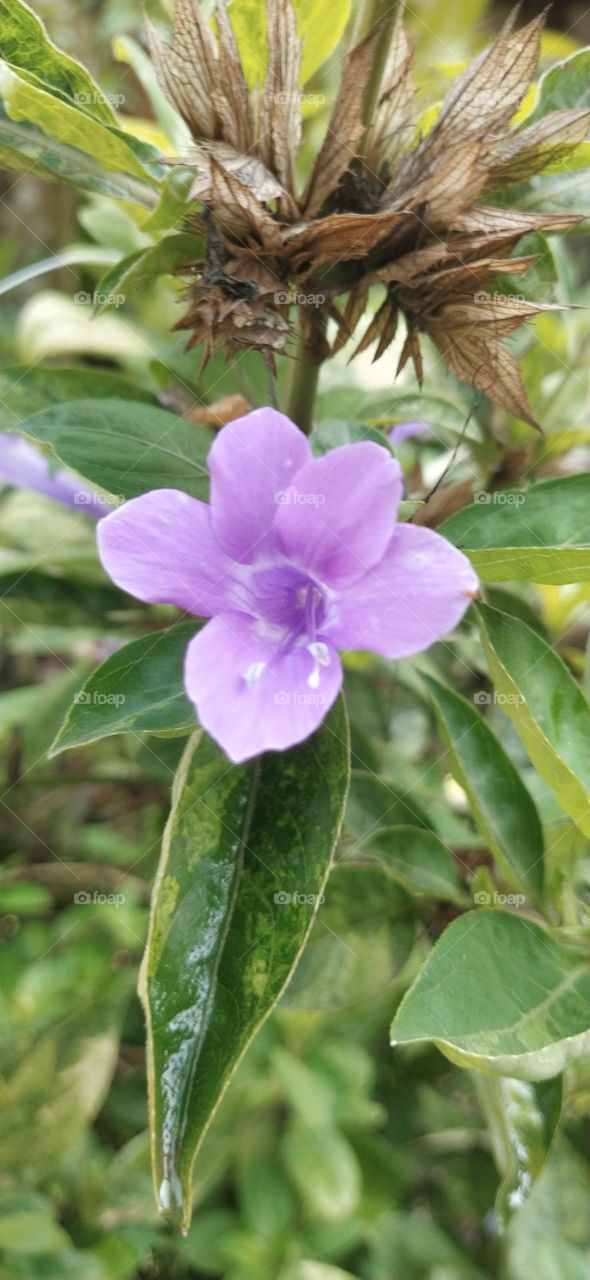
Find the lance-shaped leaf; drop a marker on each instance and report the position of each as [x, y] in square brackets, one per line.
[27, 99]
[498, 993]
[24, 42]
[246, 854]
[547, 706]
[418, 859]
[501, 805]
[522, 1118]
[124, 447]
[23, 146]
[540, 534]
[139, 689]
[24, 391]
[140, 269]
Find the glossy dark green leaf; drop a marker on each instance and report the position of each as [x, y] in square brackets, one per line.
[418, 860]
[139, 689]
[541, 534]
[246, 854]
[374, 804]
[24, 391]
[502, 808]
[127, 448]
[498, 993]
[522, 1117]
[548, 708]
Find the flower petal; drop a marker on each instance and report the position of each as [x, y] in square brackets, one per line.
[338, 516]
[407, 431]
[23, 465]
[417, 593]
[252, 697]
[160, 548]
[251, 462]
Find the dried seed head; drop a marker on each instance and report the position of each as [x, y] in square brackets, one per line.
[381, 205]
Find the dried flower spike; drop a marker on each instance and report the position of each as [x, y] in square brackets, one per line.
[381, 205]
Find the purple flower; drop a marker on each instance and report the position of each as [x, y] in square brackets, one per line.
[294, 558]
[406, 431]
[23, 465]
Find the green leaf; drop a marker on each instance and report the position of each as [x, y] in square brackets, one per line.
[539, 280]
[565, 192]
[324, 1168]
[333, 432]
[126, 448]
[24, 146]
[27, 1225]
[501, 805]
[498, 993]
[24, 43]
[361, 940]
[374, 804]
[566, 84]
[139, 689]
[522, 1118]
[143, 267]
[174, 201]
[538, 534]
[320, 27]
[418, 860]
[111, 148]
[547, 706]
[224, 938]
[24, 391]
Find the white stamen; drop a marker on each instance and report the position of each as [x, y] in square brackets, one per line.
[254, 672]
[320, 652]
[321, 655]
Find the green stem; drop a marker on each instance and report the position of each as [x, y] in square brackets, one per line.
[303, 385]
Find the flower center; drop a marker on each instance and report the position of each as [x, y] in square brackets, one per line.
[291, 609]
[289, 599]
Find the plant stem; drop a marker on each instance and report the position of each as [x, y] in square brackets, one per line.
[305, 371]
[303, 385]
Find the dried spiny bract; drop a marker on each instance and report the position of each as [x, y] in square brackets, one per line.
[382, 204]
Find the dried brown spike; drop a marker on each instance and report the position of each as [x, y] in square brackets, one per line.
[345, 127]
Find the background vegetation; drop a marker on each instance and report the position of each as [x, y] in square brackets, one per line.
[331, 1156]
